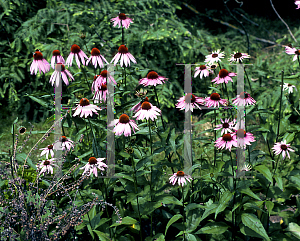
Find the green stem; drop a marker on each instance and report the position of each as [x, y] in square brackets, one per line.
[87, 132]
[13, 147]
[137, 199]
[159, 108]
[246, 131]
[215, 150]
[184, 218]
[248, 79]
[151, 177]
[108, 216]
[87, 212]
[282, 73]
[95, 141]
[234, 187]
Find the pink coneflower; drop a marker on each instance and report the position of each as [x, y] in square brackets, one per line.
[223, 77]
[47, 150]
[147, 110]
[103, 77]
[75, 50]
[96, 58]
[55, 76]
[298, 4]
[227, 141]
[56, 58]
[238, 57]
[85, 108]
[39, 63]
[226, 126]
[152, 79]
[243, 99]
[46, 166]
[289, 87]
[125, 20]
[214, 57]
[182, 103]
[63, 143]
[92, 165]
[244, 138]
[122, 125]
[290, 50]
[125, 56]
[203, 70]
[100, 93]
[214, 100]
[95, 84]
[282, 147]
[181, 177]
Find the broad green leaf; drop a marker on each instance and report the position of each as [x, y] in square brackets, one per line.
[102, 236]
[265, 171]
[225, 198]
[289, 137]
[173, 220]
[167, 199]
[249, 193]
[128, 220]
[252, 222]
[270, 206]
[41, 102]
[172, 140]
[91, 231]
[213, 228]
[209, 210]
[279, 181]
[294, 228]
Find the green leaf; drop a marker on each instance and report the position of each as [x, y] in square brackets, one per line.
[279, 181]
[265, 171]
[90, 230]
[289, 137]
[172, 140]
[213, 228]
[270, 206]
[252, 222]
[21, 157]
[129, 220]
[209, 210]
[102, 236]
[41, 102]
[294, 229]
[173, 220]
[226, 196]
[249, 193]
[167, 199]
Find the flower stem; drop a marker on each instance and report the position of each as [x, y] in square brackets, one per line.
[159, 107]
[269, 187]
[215, 151]
[87, 134]
[11, 158]
[246, 131]
[248, 79]
[122, 32]
[87, 212]
[95, 141]
[282, 73]
[151, 177]
[183, 213]
[137, 199]
[234, 187]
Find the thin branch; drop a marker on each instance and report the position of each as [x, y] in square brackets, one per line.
[231, 26]
[283, 21]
